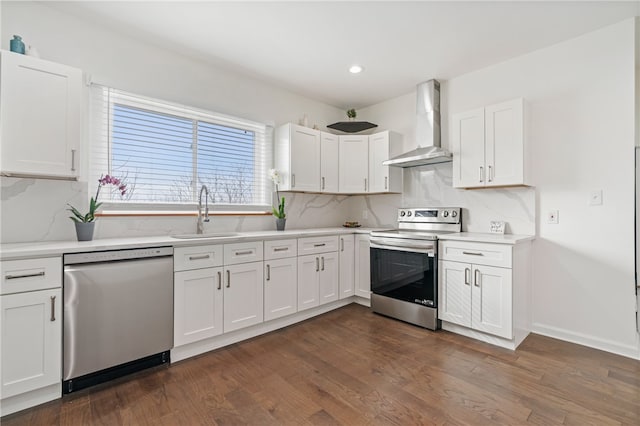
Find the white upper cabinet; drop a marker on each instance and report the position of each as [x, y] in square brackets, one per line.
[489, 147]
[41, 117]
[297, 158]
[354, 164]
[329, 154]
[383, 146]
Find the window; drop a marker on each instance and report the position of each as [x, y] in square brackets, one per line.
[165, 153]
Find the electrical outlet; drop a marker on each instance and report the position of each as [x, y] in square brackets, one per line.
[552, 217]
[365, 214]
[595, 198]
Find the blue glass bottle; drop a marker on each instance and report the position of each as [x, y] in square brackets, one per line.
[17, 45]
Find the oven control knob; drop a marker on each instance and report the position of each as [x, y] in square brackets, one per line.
[409, 213]
[445, 213]
[454, 213]
[402, 213]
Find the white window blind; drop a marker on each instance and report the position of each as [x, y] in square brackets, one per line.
[165, 152]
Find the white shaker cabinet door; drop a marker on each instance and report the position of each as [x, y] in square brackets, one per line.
[362, 273]
[280, 288]
[468, 149]
[40, 115]
[308, 281]
[454, 292]
[492, 301]
[504, 142]
[305, 159]
[354, 164]
[198, 300]
[31, 340]
[329, 152]
[378, 152]
[346, 265]
[243, 295]
[329, 287]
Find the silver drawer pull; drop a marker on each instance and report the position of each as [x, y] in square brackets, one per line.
[268, 272]
[473, 253]
[467, 276]
[476, 276]
[73, 160]
[322, 267]
[481, 174]
[219, 280]
[206, 256]
[15, 277]
[281, 249]
[341, 244]
[53, 308]
[317, 264]
[228, 278]
[241, 253]
[319, 245]
[323, 182]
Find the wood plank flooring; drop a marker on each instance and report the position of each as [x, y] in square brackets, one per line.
[353, 367]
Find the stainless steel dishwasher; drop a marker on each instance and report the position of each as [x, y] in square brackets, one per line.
[118, 313]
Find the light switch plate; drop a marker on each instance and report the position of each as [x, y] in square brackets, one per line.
[552, 217]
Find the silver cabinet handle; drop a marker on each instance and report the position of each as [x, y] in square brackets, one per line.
[323, 182]
[386, 182]
[293, 180]
[219, 280]
[16, 277]
[205, 256]
[467, 276]
[73, 160]
[473, 253]
[268, 272]
[317, 265]
[242, 253]
[320, 245]
[281, 249]
[322, 267]
[481, 174]
[477, 278]
[341, 244]
[53, 308]
[365, 184]
[489, 174]
[228, 278]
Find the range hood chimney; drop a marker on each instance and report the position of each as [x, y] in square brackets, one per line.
[428, 149]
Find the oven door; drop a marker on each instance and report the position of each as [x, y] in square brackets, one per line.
[405, 272]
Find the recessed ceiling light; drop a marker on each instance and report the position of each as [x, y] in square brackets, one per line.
[355, 69]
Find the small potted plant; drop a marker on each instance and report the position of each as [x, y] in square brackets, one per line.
[351, 113]
[85, 223]
[278, 212]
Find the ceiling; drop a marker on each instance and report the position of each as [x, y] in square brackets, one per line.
[307, 47]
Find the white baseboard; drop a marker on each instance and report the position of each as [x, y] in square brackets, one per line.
[629, 351]
[477, 335]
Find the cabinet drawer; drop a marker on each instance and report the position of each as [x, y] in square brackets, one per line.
[242, 252]
[279, 249]
[314, 245]
[476, 253]
[31, 274]
[198, 257]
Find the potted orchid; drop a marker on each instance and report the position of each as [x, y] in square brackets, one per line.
[278, 212]
[85, 223]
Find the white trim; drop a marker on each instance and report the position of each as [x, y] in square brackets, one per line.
[30, 399]
[611, 346]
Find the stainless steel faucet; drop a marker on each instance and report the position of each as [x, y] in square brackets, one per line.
[200, 225]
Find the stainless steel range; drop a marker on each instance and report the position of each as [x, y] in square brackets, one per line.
[404, 264]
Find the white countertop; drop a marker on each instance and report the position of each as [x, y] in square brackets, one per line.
[485, 237]
[57, 248]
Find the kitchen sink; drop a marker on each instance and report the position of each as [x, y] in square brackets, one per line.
[207, 235]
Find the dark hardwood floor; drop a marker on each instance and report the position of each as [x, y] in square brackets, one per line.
[353, 367]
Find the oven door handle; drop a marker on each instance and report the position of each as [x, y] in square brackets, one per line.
[428, 250]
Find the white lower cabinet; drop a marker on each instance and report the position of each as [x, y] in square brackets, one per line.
[243, 296]
[317, 273]
[347, 266]
[31, 333]
[485, 288]
[280, 288]
[476, 296]
[328, 285]
[362, 273]
[198, 302]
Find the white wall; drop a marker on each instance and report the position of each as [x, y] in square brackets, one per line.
[125, 63]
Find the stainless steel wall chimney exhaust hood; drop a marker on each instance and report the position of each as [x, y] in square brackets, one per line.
[428, 149]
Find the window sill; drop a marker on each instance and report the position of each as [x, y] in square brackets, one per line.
[177, 213]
